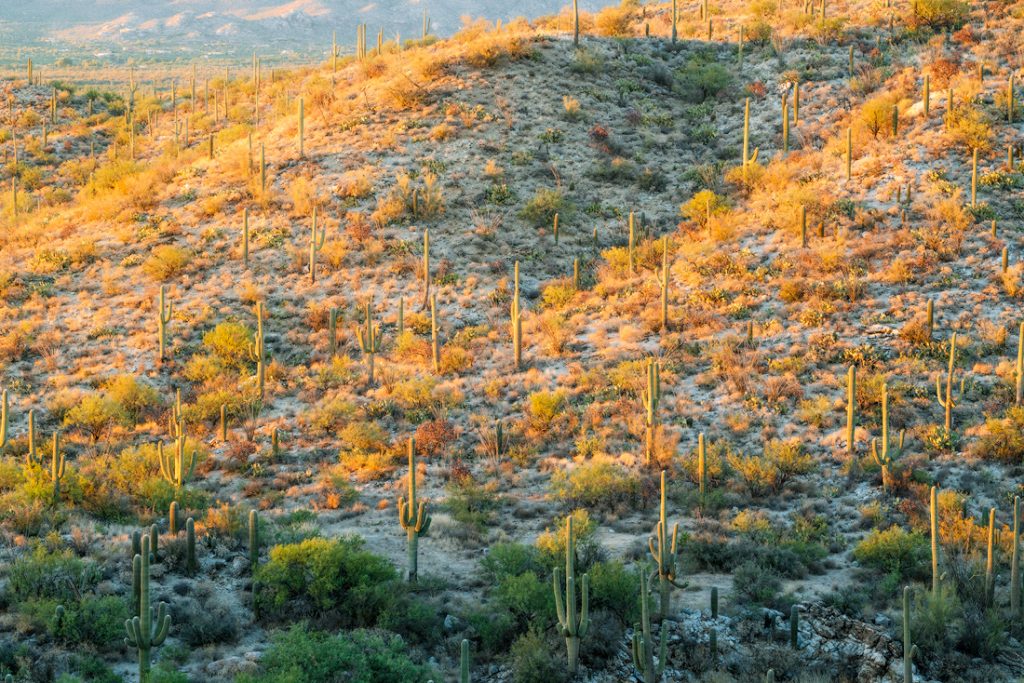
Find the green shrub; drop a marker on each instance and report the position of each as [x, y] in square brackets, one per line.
[166, 261]
[541, 209]
[98, 621]
[1003, 439]
[229, 342]
[613, 587]
[132, 397]
[700, 80]
[938, 14]
[527, 597]
[50, 573]
[894, 551]
[533, 661]
[494, 629]
[300, 655]
[756, 584]
[598, 485]
[335, 580]
[94, 415]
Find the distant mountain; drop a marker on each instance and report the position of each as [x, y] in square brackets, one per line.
[237, 26]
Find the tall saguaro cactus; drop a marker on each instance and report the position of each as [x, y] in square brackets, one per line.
[412, 516]
[517, 322]
[949, 401]
[909, 649]
[258, 351]
[851, 409]
[426, 268]
[575, 24]
[933, 514]
[1015, 588]
[3, 419]
[149, 628]
[173, 467]
[56, 472]
[302, 128]
[664, 550]
[369, 338]
[163, 316]
[1019, 370]
[651, 398]
[643, 640]
[889, 452]
[748, 159]
[316, 243]
[573, 625]
[664, 284]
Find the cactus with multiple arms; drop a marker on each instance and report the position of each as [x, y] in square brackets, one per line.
[643, 641]
[664, 550]
[651, 398]
[173, 466]
[56, 472]
[889, 452]
[369, 338]
[573, 628]
[150, 627]
[412, 516]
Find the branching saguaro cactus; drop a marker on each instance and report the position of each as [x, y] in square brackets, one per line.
[651, 397]
[909, 649]
[572, 624]
[643, 641]
[150, 627]
[412, 516]
[164, 310]
[173, 467]
[950, 401]
[889, 452]
[517, 323]
[369, 338]
[664, 550]
[56, 472]
[258, 352]
[316, 243]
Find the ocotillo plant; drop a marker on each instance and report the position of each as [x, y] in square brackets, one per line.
[369, 338]
[664, 550]
[573, 627]
[435, 346]
[517, 323]
[258, 351]
[949, 402]
[412, 516]
[173, 467]
[316, 243]
[56, 472]
[851, 408]
[651, 398]
[748, 159]
[1019, 370]
[191, 564]
[909, 649]
[933, 515]
[643, 641]
[149, 628]
[164, 310]
[889, 452]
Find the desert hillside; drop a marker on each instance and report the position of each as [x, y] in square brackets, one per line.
[626, 349]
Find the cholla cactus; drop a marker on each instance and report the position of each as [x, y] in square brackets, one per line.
[149, 628]
[412, 516]
[664, 549]
[573, 627]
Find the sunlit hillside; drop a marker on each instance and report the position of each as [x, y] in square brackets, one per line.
[618, 349]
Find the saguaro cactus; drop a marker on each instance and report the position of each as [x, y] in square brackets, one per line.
[435, 345]
[664, 284]
[889, 452]
[191, 564]
[926, 95]
[332, 326]
[426, 268]
[849, 153]
[149, 628]
[990, 558]
[412, 516]
[56, 472]
[1015, 603]
[933, 514]
[3, 418]
[851, 409]
[173, 466]
[245, 237]
[664, 550]
[258, 351]
[164, 310]
[369, 338]
[651, 398]
[517, 323]
[632, 244]
[974, 178]
[254, 540]
[949, 402]
[573, 627]
[1019, 370]
[909, 649]
[575, 24]
[643, 641]
[316, 243]
[302, 127]
[748, 159]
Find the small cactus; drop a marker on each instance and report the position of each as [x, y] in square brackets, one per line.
[56, 472]
[517, 322]
[794, 627]
[254, 540]
[163, 316]
[3, 419]
[851, 409]
[258, 352]
[412, 516]
[316, 243]
[172, 518]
